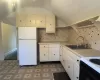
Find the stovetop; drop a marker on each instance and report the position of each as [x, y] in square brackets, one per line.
[93, 62]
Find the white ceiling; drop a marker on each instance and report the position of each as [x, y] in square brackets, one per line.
[70, 11]
[3, 9]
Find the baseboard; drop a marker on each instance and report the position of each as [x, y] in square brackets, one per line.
[15, 49]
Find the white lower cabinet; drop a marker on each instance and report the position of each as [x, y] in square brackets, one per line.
[69, 67]
[69, 62]
[61, 55]
[53, 54]
[76, 71]
[44, 54]
[49, 53]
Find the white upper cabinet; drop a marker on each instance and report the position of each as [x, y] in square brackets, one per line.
[36, 20]
[40, 21]
[31, 20]
[50, 24]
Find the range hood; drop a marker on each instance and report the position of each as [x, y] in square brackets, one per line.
[76, 11]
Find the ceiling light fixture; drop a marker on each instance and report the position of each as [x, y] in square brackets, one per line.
[34, 0]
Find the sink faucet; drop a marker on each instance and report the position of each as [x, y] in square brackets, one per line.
[82, 39]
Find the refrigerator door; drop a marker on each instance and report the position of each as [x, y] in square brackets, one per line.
[27, 52]
[27, 32]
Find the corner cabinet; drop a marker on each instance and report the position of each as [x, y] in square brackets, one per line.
[49, 52]
[50, 24]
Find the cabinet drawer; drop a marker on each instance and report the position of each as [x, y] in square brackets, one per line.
[44, 45]
[54, 45]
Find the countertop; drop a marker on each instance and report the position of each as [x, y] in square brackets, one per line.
[55, 42]
[88, 52]
[85, 52]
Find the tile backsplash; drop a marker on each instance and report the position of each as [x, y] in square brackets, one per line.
[60, 35]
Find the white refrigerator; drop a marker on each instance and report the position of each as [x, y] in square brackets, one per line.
[27, 45]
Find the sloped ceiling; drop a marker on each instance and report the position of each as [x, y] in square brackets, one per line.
[70, 11]
[3, 9]
[75, 11]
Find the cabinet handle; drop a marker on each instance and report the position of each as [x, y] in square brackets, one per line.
[44, 54]
[77, 77]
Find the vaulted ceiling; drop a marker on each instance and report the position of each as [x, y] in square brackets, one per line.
[70, 11]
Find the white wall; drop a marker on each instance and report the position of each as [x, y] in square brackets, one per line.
[8, 38]
[1, 47]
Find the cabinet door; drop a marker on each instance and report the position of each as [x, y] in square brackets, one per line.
[76, 71]
[43, 54]
[50, 24]
[63, 61]
[53, 54]
[69, 67]
[61, 54]
[21, 20]
[40, 21]
[31, 20]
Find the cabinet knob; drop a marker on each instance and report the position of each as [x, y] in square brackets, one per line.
[20, 20]
[60, 55]
[68, 66]
[77, 77]
[77, 60]
[54, 54]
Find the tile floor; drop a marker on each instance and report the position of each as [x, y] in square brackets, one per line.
[9, 70]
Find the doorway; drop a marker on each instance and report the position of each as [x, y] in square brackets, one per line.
[9, 41]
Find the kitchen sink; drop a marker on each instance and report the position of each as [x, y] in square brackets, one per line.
[77, 47]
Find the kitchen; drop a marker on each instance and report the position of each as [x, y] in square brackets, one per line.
[53, 42]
